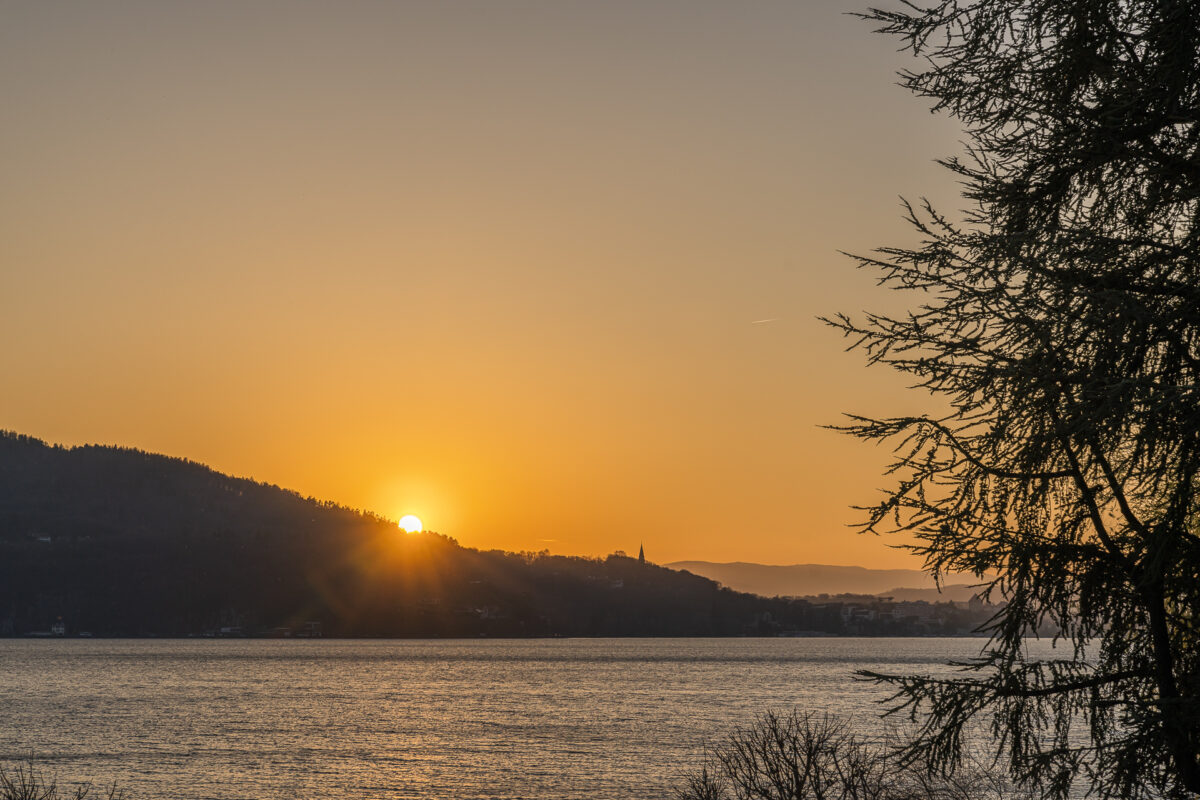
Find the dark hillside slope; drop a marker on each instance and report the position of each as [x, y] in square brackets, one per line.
[121, 542]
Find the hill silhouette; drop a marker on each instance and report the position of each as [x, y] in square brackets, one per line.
[806, 580]
[116, 541]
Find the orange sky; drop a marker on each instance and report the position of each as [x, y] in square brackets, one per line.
[503, 265]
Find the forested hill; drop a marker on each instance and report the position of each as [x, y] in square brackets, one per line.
[120, 542]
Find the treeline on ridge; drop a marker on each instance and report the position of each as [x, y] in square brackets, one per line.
[116, 541]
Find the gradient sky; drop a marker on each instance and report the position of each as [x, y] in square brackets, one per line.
[503, 265]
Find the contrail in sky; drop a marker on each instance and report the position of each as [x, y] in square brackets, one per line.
[761, 321]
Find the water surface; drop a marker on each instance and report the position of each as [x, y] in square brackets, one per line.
[594, 719]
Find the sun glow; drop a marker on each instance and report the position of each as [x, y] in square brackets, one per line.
[411, 524]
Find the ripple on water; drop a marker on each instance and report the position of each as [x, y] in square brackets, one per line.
[594, 719]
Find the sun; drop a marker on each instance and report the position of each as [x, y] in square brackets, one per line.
[411, 524]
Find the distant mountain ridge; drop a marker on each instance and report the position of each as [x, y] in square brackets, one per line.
[111, 541]
[119, 542]
[806, 580]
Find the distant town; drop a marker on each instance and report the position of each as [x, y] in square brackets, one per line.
[819, 616]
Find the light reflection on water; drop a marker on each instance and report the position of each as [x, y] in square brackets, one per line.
[602, 719]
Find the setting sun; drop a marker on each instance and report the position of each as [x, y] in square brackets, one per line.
[411, 524]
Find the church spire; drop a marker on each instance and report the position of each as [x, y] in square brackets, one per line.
[641, 554]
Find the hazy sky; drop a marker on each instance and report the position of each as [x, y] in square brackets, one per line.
[543, 273]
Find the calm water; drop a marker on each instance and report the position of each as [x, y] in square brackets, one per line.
[602, 719]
